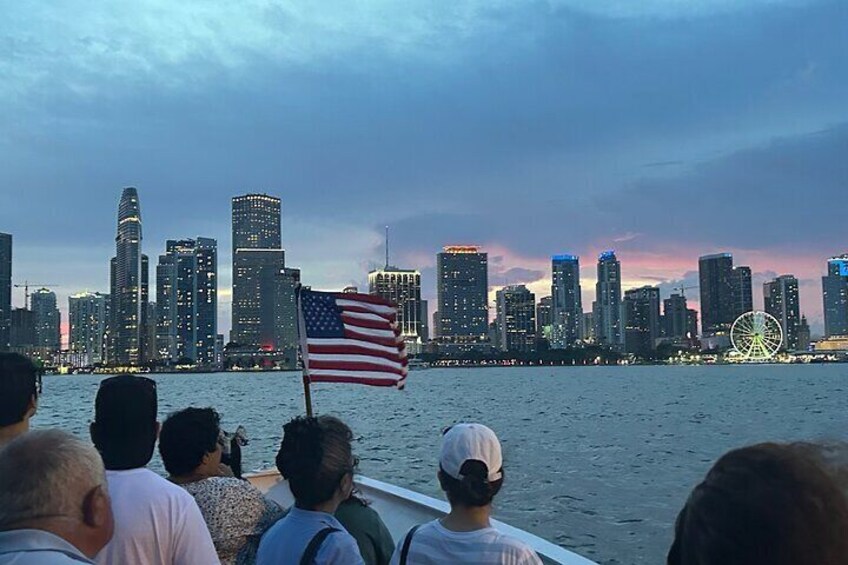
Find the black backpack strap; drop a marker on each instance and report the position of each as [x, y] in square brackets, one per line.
[311, 550]
[404, 551]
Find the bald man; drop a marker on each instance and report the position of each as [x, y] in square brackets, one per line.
[54, 503]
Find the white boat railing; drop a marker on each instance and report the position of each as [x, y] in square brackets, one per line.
[401, 509]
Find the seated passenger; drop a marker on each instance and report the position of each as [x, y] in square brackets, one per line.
[235, 511]
[767, 504]
[18, 395]
[54, 504]
[315, 458]
[368, 529]
[471, 474]
[156, 522]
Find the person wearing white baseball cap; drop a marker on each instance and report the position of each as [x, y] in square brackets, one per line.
[471, 474]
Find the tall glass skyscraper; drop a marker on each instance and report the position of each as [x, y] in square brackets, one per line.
[716, 286]
[607, 307]
[129, 290]
[5, 290]
[403, 287]
[87, 317]
[516, 318]
[47, 322]
[835, 295]
[742, 294]
[641, 322]
[462, 289]
[566, 301]
[675, 317]
[187, 300]
[780, 297]
[258, 260]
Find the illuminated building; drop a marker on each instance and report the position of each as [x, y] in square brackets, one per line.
[5, 290]
[780, 298]
[607, 306]
[48, 321]
[566, 305]
[258, 259]
[804, 337]
[741, 291]
[692, 323]
[128, 285]
[544, 318]
[716, 287]
[403, 287]
[285, 312]
[835, 297]
[641, 309]
[187, 301]
[462, 290]
[516, 319]
[88, 319]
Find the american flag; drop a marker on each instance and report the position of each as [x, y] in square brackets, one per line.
[351, 338]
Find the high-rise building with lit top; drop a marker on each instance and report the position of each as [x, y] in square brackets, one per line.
[128, 333]
[835, 296]
[187, 301]
[403, 287]
[567, 303]
[47, 322]
[516, 318]
[780, 298]
[5, 290]
[607, 306]
[88, 320]
[462, 288]
[258, 260]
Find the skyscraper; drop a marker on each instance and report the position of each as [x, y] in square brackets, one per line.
[187, 300]
[742, 295]
[544, 319]
[462, 290]
[258, 260]
[516, 318]
[403, 287]
[129, 291]
[566, 305]
[835, 296]
[675, 317]
[607, 307]
[716, 284]
[47, 322]
[87, 317]
[641, 309]
[5, 290]
[285, 310]
[780, 297]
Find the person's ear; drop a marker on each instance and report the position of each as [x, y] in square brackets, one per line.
[158, 429]
[346, 486]
[97, 508]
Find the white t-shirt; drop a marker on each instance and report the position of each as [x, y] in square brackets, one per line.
[156, 523]
[433, 544]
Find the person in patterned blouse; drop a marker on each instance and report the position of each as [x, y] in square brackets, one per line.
[235, 511]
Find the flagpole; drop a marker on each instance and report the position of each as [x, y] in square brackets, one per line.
[304, 356]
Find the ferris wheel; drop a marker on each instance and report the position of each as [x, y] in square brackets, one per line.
[756, 336]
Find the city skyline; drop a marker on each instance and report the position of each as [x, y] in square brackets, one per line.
[713, 126]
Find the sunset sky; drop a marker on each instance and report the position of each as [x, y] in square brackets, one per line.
[663, 129]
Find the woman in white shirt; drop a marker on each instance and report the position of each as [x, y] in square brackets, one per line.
[471, 474]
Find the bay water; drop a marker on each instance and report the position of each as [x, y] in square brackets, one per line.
[597, 459]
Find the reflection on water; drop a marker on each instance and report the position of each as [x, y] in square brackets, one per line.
[598, 459]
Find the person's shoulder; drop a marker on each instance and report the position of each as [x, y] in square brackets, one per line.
[514, 547]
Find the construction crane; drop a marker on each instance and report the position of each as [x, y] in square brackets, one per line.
[26, 286]
[683, 289]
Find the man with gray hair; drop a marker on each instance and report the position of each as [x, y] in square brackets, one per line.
[54, 503]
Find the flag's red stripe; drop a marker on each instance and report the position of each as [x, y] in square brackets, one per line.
[369, 298]
[387, 341]
[370, 324]
[354, 350]
[356, 380]
[361, 310]
[353, 366]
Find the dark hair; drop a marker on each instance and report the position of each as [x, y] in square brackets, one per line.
[186, 437]
[764, 504]
[124, 427]
[314, 457]
[474, 489]
[18, 385]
